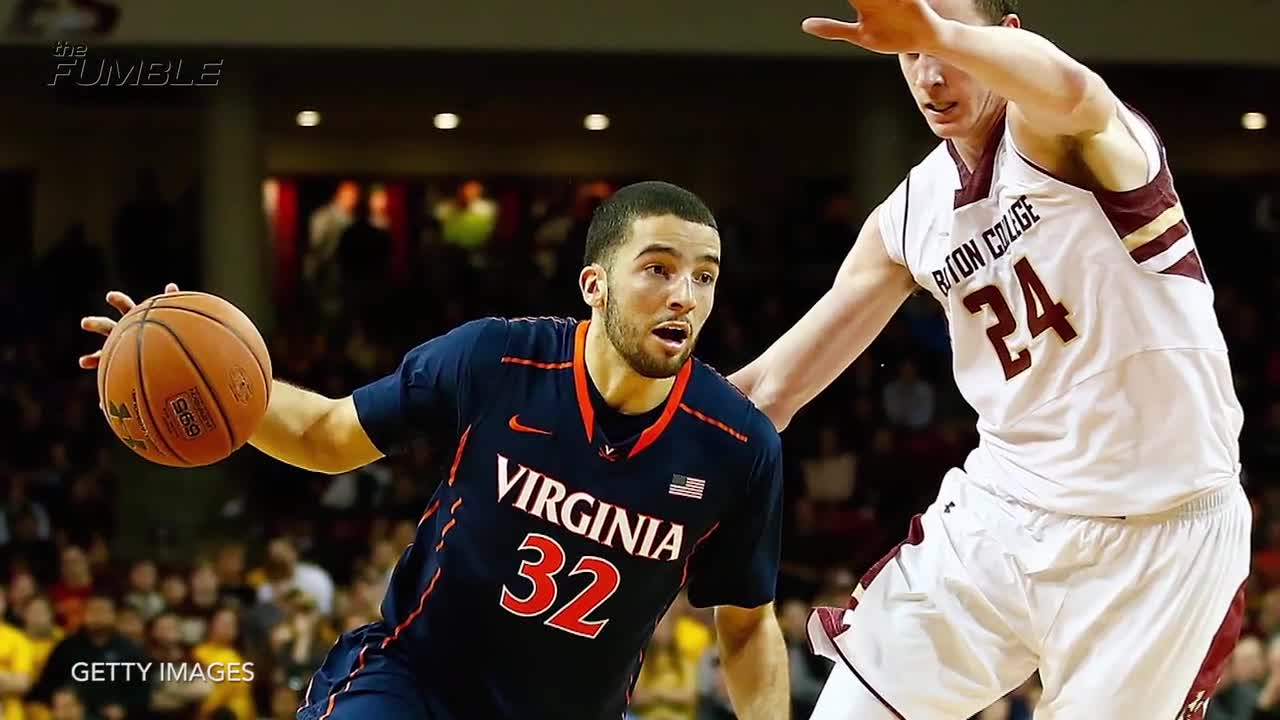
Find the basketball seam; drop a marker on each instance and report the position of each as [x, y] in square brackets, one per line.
[142, 388]
[231, 433]
[105, 361]
[261, 370]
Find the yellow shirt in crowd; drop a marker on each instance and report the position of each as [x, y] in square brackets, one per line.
[235, 692]
[15, 657]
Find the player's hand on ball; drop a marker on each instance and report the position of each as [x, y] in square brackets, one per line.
[883, 26]
[104, 325]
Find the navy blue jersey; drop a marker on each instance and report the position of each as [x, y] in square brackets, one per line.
[565, 530]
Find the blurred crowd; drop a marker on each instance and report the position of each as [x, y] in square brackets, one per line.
[311, 554]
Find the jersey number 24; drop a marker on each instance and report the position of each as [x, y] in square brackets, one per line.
[542, 572]
[1043, 313]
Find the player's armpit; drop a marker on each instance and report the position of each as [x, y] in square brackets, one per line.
[1108, 156]
[868, 289]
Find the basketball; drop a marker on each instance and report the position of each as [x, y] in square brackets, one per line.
[184, 379]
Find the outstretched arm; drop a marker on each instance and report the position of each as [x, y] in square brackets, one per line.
[868, 289]
[1058, 108]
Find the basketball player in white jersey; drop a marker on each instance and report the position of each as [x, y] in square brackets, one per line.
[1098, 533]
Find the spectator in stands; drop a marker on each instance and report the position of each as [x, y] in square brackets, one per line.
[174, 590]
[233, 689]
[830, 478]
[27, 551]
[72, 591]
[908, 400]
[467, 221]
[173, 696]
[301, 641]
[15, 668]
[37, 624]
[202, 602]
[67, 704]
[22, 588]
[129, 624]
[142, 594]
[320, 273]
[283, 571]
[19, 501]
[228, 564]
[97, 642]
[806, 682]
[667, 688]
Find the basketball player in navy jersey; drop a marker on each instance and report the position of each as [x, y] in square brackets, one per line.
[599, 469]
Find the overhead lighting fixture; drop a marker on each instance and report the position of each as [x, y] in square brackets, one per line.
[446, 121]
[308, 118]
[595, 121]
[1253, 121]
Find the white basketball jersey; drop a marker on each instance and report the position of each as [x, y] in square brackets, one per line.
[1082, 328]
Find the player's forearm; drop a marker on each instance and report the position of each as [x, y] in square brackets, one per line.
[1029, 71]
[755, 664]
[294, 428]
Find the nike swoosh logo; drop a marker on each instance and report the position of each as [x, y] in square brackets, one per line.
[514, 424]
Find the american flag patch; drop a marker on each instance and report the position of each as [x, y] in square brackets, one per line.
[685, 486]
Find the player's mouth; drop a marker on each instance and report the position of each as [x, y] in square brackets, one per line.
[940, 110]
[673, 335]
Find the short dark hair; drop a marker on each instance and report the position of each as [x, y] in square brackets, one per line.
[995, 10]
[611, 222]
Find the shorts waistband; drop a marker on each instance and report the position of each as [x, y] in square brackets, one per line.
[1206, 504]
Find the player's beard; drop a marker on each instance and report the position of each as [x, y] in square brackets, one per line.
[628, 339]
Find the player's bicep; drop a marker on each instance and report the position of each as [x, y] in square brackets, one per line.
[1096, 147]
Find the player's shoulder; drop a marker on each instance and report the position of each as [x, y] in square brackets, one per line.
[726, 411]
[540, 341]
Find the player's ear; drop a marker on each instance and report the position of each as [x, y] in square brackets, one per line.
[1011, 21]
[593, 283]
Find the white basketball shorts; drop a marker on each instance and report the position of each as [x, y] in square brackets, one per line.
[1124, 618]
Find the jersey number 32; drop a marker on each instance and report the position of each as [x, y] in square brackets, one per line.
[542, 572]
[1043, 313]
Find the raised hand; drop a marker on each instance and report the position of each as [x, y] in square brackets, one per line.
[103, 325]
[883, 26]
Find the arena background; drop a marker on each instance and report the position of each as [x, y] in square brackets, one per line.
[220, 185]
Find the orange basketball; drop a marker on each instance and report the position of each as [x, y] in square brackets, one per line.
[184, 379]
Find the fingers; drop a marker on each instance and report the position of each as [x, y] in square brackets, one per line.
[120, 301]
[170, 288]
[89, 362]
[98, 324]
[829, 29]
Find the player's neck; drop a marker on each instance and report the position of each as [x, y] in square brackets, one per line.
[973, 144]
[622, 388]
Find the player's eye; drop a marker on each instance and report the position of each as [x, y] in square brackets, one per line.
[706, 278]
[656, 270]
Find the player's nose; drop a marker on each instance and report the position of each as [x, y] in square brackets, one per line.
[929, 72]
[682, 298]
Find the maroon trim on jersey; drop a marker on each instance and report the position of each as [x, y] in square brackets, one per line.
[1161, 242]
[1215, 661]
[1129, 210]
[915, 536]
[1188, 266]
[976, 185]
